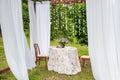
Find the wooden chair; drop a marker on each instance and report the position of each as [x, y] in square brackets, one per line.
[38, 55]
[83, 59]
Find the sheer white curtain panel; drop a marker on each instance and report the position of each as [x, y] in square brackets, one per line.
[103, 18]
[17, 51]
[33, 29]
[40, 31]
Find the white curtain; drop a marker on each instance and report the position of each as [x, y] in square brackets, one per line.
[41, 31]
[33, 29]
[103, 18]
[17, 52]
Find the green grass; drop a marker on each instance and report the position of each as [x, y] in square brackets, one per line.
[3, 62]
[40, 73]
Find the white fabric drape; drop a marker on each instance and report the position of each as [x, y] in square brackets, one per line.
[33, 29]
[43, 26]
[41, 31]
[17, 52]
[103, 18]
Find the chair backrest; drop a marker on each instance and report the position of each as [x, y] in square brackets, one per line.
[37, 49]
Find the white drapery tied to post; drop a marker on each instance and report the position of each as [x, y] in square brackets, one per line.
[33, 29]
[17, 52]
[40, 31]
[103, 18]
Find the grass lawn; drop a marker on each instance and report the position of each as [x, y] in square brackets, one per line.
[40, 73]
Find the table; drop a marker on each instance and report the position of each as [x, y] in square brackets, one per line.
[64, 60]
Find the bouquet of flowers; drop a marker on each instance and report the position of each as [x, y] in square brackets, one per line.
[63, 41]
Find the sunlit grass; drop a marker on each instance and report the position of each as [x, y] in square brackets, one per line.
[40, 73]
[3, 62]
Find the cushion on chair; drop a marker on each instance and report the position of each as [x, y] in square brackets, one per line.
[42, 55]
[85, 57]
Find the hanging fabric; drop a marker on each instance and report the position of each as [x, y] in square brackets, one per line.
[33, 28]
[103, 18]
[17, 53]
[43, 26]
[40, 31]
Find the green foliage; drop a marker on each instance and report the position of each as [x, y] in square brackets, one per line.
[69, 20]
[61, 23]
[81, 28]
[25, 17]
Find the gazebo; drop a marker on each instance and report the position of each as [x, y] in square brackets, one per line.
[103, 37]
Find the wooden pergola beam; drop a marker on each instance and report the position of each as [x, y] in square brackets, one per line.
[64, 1]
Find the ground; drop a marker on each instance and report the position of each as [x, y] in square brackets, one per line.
[40, 73]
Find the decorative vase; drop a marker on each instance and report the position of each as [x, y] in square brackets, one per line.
[62, 45]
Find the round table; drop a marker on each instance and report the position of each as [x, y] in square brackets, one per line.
[64, 60]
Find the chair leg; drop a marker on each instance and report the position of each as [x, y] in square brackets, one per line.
[46, 63]
[39, 61]
[36, 61]
[83, 62]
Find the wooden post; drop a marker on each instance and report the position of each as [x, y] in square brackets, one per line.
[4, 70]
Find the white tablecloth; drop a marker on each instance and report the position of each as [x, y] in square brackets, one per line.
[64, 60]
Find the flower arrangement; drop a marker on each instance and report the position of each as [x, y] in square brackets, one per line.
[63, 41]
